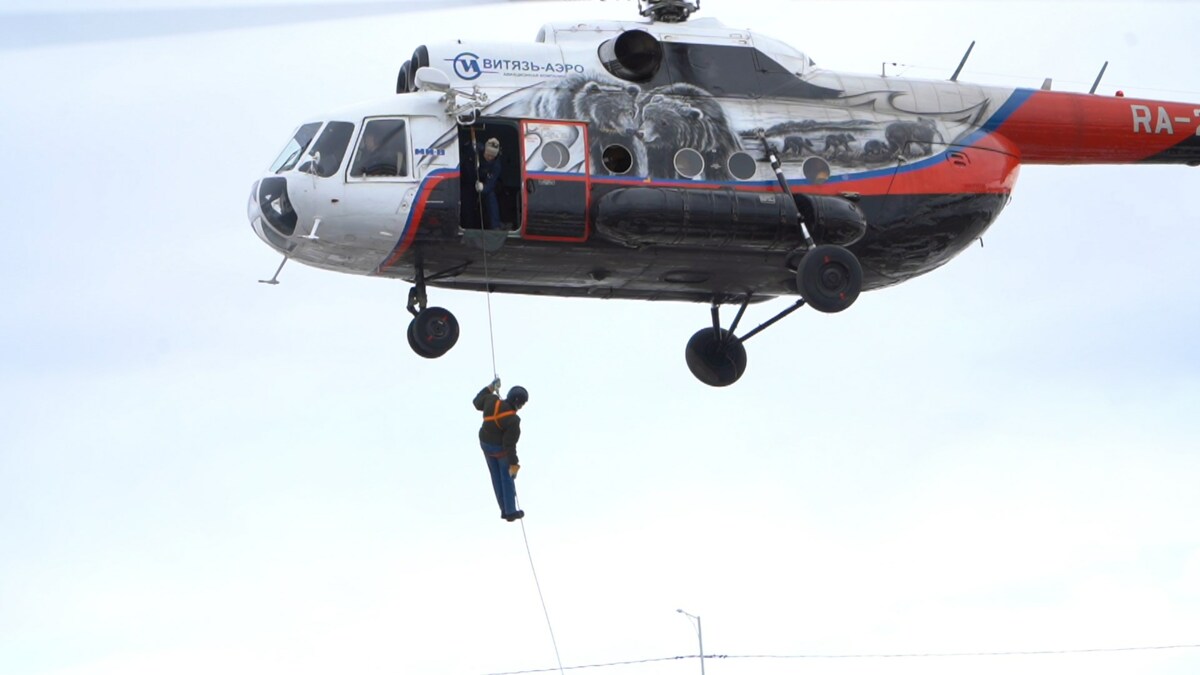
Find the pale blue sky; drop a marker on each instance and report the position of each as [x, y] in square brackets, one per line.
[200, 473]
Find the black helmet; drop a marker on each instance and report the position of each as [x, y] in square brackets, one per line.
[517, 396]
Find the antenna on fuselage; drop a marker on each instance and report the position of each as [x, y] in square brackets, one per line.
[954, 77]
[1097, 82]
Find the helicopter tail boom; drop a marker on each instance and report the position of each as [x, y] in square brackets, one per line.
[1051, 127]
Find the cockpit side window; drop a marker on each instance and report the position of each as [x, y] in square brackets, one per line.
[330, 148]
[295, 148]
[382, 150]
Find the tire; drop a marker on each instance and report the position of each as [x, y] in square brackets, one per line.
[829, 278]
[417, 347]
[716, 359]
[433, 332]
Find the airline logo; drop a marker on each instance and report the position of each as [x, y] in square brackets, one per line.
[466, 66]
[470, 66]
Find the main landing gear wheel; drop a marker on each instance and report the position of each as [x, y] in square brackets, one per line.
[829, 278]
[716, 357]
[432, 332]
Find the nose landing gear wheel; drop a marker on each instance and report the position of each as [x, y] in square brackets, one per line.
[829, 278]
[432, 332]
[717, 359]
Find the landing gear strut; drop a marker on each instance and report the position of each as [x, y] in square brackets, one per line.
[716, 356]
[433, 330]
[829, 277]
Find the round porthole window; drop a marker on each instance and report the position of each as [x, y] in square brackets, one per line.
[617, 159]
[816, 170]
[555, 155]
[742, 166]
[689, 163]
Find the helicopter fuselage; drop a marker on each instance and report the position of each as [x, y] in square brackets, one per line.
[628, 173]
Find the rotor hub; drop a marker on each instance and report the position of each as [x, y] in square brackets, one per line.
[668, 11]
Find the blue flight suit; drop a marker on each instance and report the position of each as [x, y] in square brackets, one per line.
[489, 176]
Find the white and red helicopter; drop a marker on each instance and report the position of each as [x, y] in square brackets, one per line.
[673, 159]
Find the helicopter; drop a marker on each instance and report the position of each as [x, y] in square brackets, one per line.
[668, 158]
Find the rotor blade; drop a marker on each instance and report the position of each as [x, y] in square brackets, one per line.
[41, 29]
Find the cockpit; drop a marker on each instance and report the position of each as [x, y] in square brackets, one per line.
[381, 149]
[371, 150]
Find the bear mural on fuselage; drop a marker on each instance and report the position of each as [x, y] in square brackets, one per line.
[609, 108]
[612, 119]
[677, 116]
[653, 125]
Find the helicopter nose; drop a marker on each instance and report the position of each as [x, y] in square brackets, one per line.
[252, 211]
[276, 206]
[271, 214]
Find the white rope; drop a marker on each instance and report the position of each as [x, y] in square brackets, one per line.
[487, 277]
[541, 597]
[487, 280]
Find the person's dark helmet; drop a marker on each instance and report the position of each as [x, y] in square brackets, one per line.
[517, 396]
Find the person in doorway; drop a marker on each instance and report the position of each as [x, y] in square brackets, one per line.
[498, 437]
[486, 182]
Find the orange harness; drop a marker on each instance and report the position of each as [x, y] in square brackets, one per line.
[496, 415]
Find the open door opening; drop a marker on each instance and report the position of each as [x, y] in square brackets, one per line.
[490, 164]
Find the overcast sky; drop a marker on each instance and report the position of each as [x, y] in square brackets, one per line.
[200, 473]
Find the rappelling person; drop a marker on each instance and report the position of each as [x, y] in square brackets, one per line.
[498, 437]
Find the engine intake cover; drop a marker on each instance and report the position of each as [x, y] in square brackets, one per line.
[634, 55]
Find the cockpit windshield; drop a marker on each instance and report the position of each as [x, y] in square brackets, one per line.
[295, 148]
[329, 149]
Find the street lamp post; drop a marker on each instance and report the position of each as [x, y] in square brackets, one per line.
[699, 636]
